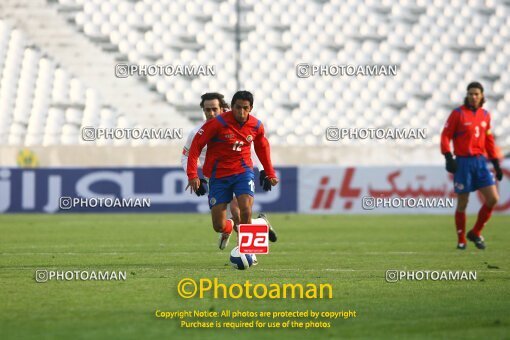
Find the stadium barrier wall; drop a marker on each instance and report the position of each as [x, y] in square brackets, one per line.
[305, 189]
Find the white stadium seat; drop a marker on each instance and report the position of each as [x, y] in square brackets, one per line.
[276, 36]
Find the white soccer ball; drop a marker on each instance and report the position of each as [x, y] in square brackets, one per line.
[241, 261]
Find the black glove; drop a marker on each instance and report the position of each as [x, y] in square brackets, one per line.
[499, 173]
[202, 188]
[451, 164]
[264, 181]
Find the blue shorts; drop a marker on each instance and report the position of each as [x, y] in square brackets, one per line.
[221, 190]
[472, 174]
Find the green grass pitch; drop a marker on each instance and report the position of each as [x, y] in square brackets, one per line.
[350, 252]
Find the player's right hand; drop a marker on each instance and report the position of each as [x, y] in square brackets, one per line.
[193, 184]
[451, 164]
[202, 188]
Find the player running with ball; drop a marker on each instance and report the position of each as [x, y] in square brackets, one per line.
[228, 163]
[470, 128]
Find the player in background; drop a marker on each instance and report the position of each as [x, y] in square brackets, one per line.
[213, 104]
[470, 128]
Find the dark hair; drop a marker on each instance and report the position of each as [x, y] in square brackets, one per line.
[242, 95]
[474, 85]
[212, 96]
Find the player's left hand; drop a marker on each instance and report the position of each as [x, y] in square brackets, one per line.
[265, 183]
[497, 168]
[202, 188]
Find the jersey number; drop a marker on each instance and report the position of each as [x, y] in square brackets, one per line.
[477, 131]
[237, 145]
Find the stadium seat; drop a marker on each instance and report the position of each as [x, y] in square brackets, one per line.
[276, 36]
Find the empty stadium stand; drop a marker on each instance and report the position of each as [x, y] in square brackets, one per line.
[47, 92]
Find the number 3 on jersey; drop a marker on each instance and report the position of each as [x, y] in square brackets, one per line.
[237, 145]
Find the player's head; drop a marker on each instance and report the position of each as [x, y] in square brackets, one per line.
[242, 103]
[474, 97]
[213, 104]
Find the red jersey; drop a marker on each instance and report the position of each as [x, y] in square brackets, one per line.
[470, 131]
[229, 147]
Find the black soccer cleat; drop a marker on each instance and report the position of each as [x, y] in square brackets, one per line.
[477, 240]
[272, 233]
[461, 246]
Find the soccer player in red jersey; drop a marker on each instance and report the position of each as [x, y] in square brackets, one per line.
[228, 163]
[469, 126]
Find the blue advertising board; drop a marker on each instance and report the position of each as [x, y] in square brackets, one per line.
[44, 190]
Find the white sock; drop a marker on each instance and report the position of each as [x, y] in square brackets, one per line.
[258, 221]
